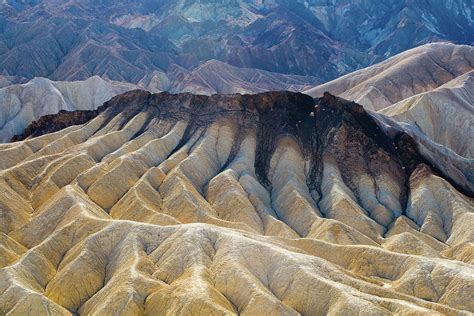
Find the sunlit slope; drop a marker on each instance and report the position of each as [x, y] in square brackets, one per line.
[22, 104]
[414, 71]
[273, 204]
[444, 114]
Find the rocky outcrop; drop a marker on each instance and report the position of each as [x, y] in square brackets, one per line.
[55, 122]
[275, 203]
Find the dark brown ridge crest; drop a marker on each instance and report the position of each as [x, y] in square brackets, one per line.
[55, 122]
[273, 113]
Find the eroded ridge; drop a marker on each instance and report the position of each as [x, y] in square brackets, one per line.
[274, 203]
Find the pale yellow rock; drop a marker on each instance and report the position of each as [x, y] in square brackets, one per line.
[14, 210]
[10, 249]
[230, 201]
[439, 209]
[290, 195]
[243, 165]
[405, 237]
[339, 203]
[443, 114]
[25, 103]
[462, 252]
[130, 216]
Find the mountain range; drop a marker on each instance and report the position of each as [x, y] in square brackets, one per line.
[236, 157]
[266, 204]
[412, 72]
[429, 87]
[159, 41]
[423, 88]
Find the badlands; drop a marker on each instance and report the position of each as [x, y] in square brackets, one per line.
[22, 104]
[428, 89]
[266, 204]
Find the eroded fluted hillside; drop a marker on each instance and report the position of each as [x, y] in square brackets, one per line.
[444, 114]
[22, 104]
[216, 77]
[414, 71]
[271, 204]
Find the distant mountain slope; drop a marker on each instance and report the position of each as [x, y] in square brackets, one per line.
[21, 104]
[25, 103]
[218, 77]
[130, 40]
[9, 80]
[445, 114]
[418, 70]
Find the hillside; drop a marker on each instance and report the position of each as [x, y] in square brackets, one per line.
[215, 77]
[24, 103]
[412, 72]
[444, 114]
[265, 204]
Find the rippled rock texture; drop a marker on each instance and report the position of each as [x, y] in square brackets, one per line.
[267, 204]
[415, 71]
[429, 89]
[21, 104]
[444, 114]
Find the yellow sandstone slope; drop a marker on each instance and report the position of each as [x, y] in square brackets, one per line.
[253, 205]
